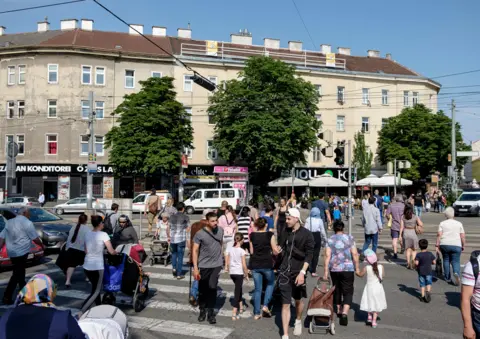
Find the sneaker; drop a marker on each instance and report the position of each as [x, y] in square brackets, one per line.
[374, 324]
[344, 320]
[284, 336]
[181, 277]
[203, 315]
[193, 301]
[456, 279]
[369, 319]
[297, 330]
[428, 297]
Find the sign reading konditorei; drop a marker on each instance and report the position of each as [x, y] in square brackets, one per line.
[57, 169]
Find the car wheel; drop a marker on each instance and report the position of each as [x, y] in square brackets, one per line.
[190, 210]
[59, 211]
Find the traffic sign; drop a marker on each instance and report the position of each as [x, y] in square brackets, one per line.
[12, 149]
[468, 154]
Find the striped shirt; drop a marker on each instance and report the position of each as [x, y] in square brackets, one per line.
[243, 226]
[468, 279]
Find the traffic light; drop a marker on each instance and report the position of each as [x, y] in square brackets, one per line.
[340, 153]
[203, 82]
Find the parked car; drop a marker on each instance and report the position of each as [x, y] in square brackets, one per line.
[138, 203]
[468, 203]
[36, 251]
[52, 229]
[21, 201]
[212, 199]
[78, 205]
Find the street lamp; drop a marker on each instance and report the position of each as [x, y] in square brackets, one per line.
[400, 164]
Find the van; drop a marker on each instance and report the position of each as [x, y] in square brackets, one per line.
[212, 199]
[138, 203]
[468, 203]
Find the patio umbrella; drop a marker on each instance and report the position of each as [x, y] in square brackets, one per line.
[370, 180]
[326, 180]
[287, 182]
[389, 180]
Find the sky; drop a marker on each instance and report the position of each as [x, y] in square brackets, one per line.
[432, 37]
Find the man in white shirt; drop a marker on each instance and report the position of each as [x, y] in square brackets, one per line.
[470, 302]
[18, 235]
[41, 199]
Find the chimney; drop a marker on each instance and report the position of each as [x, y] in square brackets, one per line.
[159, 31]
[344, 50]
[373, 53]
[244, 37]
[388, 56]
[325, 49]
[185, 33]
[137, 27]
[87, 25]
[43, 26]
[271, 43]
[68, 24]
[296, 46]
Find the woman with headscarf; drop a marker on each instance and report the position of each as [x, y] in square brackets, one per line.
[314, 224]
[34, 305]
[125, 234]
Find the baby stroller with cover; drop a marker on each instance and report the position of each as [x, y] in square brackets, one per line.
[125, 275]
[104, 321]
[320, 307]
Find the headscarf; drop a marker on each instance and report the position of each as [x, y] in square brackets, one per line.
[40, 290]
[315, 213]
[370, 256]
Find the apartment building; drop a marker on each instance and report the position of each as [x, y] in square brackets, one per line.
[46, 77]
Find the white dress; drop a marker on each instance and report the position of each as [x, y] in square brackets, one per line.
[373, 298]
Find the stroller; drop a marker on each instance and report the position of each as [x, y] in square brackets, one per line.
[125, 275]
[107, 319]
[320, 307]
[160, 252]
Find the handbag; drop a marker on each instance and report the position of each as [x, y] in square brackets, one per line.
[112, 276]
[62, 259]
[153, 207]
[389, 224]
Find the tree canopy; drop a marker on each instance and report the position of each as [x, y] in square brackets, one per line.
[265, 118]
[421, 137]
[362, 157]
[152, 129]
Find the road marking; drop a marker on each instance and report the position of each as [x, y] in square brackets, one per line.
[51, 270]
[61, 308]
[165, 276]
[428, 333]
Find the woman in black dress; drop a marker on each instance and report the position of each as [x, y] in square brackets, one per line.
[281, 218]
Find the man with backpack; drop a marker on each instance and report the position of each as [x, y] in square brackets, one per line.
[153, 204]
[111, 219]
[470, 298]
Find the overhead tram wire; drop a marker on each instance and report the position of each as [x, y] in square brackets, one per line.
[41, 6]
[304, 24]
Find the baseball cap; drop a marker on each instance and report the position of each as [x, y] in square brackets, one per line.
[294, 212]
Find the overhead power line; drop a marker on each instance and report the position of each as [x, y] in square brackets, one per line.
[304, 24]
[41, 6]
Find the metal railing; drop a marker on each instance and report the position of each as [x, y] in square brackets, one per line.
[226, 52]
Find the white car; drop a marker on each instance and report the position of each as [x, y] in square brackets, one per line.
[78, 205]
[21, 201]
[138, 203]
[468, 203]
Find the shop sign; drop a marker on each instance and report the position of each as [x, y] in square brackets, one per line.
[55, 168]
[230, 170]
[232, 178]
[308, 173]
[199, 171]
[63, 187]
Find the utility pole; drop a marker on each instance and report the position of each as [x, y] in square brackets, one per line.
[180, 177]
[349, 146]
[395, 174]
[91, 151]
[454, 152]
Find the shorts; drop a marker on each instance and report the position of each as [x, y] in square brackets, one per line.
[289, 290]
[425, 280]
[395, 234]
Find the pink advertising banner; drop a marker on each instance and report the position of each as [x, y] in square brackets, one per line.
[230, 170]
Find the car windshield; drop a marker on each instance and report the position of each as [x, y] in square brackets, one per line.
[140, 198]
[469, 197]
[40, 215]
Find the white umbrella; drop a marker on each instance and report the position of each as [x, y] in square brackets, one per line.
[370, 180]
[389, 180]
[287, 182]
[326, 180]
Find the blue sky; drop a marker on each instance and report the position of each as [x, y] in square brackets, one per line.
[432, 37]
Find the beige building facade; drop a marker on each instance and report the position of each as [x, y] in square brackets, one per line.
[46, 77]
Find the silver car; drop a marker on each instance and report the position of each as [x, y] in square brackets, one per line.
[78, 205]
[21, 201]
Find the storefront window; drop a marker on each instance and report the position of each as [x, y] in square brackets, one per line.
[97, 186]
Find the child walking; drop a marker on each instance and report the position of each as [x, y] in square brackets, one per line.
[424, 261]
[373, 298]
[162, 226]
[236, 264]
[337, 214]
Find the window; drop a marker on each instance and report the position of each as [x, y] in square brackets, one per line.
[86, 75]
[21, 74]
[53, 74]
[52, 108]
[10, 109]
[100, 76]
[84, 145]
[213, 79]
[188, 83]
[189, 152]
[384, 122]
[52, 144]
[21, 144]
[365, 96]
[341, 94]
[405, 98]
[212, 194]
[11, 75]
[99, 145]
[227, 194]
[414, 98]
[21, 109]
[8, 139]
[189, 113]
[317, 154]
[384, 97]
[211, 151]
[156, 74]
[340, 123]
[211, 120]
[365, 123]
[99, 109]
[129, 78]
[85, 109]
[318, 88]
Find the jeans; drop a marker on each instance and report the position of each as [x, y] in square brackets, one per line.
[451, 255]
[425, 280]
[194, 289]
[258, 276]
[418, 211]
[475, 320]
[381, 214]
[373, 239]
[18, 276]
[178, 251]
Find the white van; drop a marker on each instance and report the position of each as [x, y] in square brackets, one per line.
[138, 203]
[212, 199]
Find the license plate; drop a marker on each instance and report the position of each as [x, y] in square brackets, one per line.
[463, 210]
[30, 256]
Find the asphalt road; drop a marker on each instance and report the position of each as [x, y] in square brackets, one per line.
[169, 316]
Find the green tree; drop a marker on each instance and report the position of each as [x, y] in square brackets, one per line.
[362, 157]
[423, 138]
[152, 129]
[265, 119]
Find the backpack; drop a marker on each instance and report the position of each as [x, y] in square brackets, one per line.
[107, 224]
[474, 261]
